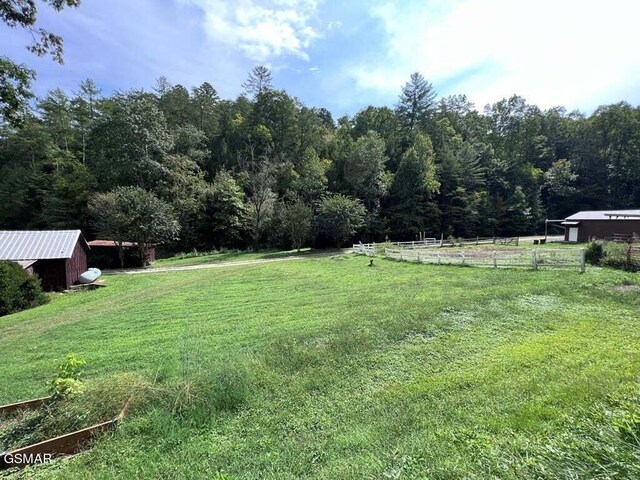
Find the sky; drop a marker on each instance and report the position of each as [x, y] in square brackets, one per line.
[348, 54]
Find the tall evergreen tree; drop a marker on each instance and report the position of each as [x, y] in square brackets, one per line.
[417, 102]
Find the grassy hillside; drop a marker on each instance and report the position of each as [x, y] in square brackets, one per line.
[327, 368]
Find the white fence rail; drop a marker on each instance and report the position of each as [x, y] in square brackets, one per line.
[427, 242]
[372, 248]
[538, 258]
[368, 249]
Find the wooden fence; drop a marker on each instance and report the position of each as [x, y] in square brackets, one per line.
[538, 258]
[371, 248]
[513, 257]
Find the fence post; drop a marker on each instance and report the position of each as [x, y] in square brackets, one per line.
[495, 260]
[463, 259]
[535, 260]
[517, 241]
[438, 258]
[418, 257]
[582, 260]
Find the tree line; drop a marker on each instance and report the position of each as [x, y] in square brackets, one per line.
[188, 169]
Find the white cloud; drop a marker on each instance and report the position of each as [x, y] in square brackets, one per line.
[261, 29]
[571, 52]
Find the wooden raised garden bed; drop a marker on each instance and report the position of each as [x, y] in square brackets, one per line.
[63, 445]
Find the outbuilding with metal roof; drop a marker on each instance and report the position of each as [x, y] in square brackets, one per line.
[58, 257]
[602, 224]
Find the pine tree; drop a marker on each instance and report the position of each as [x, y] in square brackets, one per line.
[417, 102]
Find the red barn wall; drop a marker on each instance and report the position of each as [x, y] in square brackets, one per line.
[76, 265]
[604, 229]
[52, 274]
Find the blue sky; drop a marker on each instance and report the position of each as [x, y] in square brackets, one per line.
[345, 55]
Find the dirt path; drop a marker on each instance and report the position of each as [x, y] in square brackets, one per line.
[239, 263]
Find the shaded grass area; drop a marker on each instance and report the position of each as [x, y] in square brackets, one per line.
[327, 368]
[200, 258]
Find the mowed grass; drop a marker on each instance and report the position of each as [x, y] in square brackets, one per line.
[327, 368]
[200, 258]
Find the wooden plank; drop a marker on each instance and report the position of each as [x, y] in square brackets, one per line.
[45, 451]
[27, 404]
[68, 444]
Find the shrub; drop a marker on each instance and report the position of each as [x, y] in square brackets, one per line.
[594, 253]
[67, 381]
[18, 289]
[618, 255]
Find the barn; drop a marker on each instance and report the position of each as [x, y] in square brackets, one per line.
[601, 224]
[105, 254]
[58, 257]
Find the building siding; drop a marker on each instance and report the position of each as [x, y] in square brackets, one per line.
[52, 274]
[604, 229]
[60, 274]
[76, 265]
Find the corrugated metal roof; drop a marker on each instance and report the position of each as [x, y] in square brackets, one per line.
[604, 215]
[38, 245]
[110, 243]
[26, 263]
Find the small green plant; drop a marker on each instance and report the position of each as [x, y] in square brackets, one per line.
[67, 382]
[594, 253]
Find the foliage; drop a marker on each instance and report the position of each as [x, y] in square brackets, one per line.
[18, 289]
[259, 81]
[67, 382]
[131, 214]
[620, 255]
[431, 165]
[15, 90]
[594, 253]
[260, 200]
[340, 217]
[312, 175]
[225, 213]
[15, 80]
[416, 102]
[298, 223]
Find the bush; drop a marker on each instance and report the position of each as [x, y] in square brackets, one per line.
[18, 289]
[617, 255]
[67, 381]
[594, 253]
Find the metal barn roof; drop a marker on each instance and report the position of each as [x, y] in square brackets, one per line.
[25, 263]
[110, 243]
[606, 215]
[38, 245]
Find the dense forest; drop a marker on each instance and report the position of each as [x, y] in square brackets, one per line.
[195, 171]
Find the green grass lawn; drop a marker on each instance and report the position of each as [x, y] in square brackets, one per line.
[327, 368]
[199, 258]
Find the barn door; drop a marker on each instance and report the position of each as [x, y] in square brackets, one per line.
[573, 234]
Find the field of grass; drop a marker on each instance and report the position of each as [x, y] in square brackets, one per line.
[328, 368]
[199, 258]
